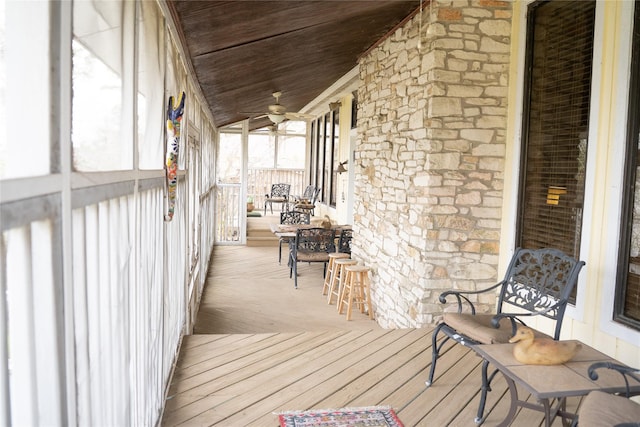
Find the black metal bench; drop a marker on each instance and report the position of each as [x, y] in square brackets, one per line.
[538, 282]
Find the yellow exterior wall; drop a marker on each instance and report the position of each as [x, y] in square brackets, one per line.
[344, 154]
[589, 320]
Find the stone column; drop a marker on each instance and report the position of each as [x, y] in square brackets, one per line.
[430, 158]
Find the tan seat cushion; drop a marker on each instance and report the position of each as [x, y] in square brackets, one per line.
[478, 327]
[312, 256]
[601, 409]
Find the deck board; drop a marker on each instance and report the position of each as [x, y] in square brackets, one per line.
[260, 347]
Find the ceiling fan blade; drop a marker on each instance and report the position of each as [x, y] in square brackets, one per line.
[299, 116]
[253, 115]
[277, 112]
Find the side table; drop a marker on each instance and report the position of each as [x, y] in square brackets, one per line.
[546, 383]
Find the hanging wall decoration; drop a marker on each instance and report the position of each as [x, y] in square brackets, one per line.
[174, 117]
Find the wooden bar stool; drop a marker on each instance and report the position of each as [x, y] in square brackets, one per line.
[356, 290]
[332, 270]
[337, 281]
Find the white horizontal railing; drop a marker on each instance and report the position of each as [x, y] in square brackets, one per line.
[130, 277]
[229, 222]
[260, 180]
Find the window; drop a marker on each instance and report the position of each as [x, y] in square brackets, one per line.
[317, 166]
[335, 133]
[354, 110]
[324, 160]
[229, 157]
[328, 158]
[312, 153]
[555, 124]
[319, 150]
[262, 149]
[25, 145]
[627, 299]
[100, 140]
[283, 148]
[151, 95]
[291, 142]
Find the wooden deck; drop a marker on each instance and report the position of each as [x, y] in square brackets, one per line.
[260, 346]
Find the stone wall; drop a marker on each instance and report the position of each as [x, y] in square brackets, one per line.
[430, 158]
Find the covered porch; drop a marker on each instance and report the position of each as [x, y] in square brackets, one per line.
[260, 347]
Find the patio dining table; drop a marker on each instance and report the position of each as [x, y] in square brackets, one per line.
[547, 383]
[289, 230]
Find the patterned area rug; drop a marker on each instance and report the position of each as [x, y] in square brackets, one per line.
[371, 416]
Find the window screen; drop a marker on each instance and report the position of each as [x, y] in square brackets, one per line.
[556, 121]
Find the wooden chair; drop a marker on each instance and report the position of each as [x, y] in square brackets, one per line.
[311, 245]
[291, 217]
[279, 194]
[603, 409]
[538, 282]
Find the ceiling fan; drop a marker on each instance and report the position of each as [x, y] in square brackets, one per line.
[278, 113]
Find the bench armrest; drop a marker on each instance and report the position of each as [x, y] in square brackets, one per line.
[624, 371]
[462, 297]
[515, 318]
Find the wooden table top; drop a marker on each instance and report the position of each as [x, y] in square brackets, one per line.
[551, 381]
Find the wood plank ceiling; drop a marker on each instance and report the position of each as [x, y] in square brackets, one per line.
[243, 51]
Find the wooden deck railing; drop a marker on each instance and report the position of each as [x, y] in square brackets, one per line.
[228, 211]
[259, 182]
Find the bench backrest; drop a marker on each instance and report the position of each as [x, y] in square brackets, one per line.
[344, 242]
[280, 190]
[294, 217]
[539, 279]
[308, 192]
[315, 240]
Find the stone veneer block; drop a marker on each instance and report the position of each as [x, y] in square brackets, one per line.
[431, 146]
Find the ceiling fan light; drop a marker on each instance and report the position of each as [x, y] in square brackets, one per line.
[276, 118]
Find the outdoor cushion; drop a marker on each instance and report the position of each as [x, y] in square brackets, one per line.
[478, 327]
[601, 409]
[313, 256]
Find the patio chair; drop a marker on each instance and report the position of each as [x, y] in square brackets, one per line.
[308, 205]
[308, 193]
[291, 217]
[311, 245]
[538, 282]
[604, 409]
[279, 194]
[344, 242]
